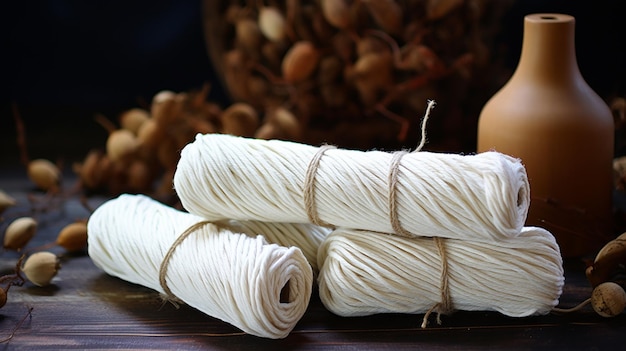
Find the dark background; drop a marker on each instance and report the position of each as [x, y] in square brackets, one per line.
[64, 61]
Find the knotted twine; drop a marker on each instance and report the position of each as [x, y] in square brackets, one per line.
[233, 277]
[364, 273]
[474, 197]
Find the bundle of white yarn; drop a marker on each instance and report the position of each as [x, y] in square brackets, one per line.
[363, 273]
[234, 277]
[475, 197]
[461, 243]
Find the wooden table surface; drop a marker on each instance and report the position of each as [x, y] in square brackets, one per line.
[85, 308]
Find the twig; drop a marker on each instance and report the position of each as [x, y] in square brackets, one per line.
[17, 326]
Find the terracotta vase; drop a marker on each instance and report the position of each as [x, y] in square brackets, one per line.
[563, 132]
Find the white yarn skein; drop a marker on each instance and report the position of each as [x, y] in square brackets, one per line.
[229, 276]
[364, 273]
[476, 197]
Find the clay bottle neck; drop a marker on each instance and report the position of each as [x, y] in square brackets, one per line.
[548, 49]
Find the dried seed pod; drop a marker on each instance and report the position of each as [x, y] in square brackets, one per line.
[272, 54]
[150, 134]
[302, 28]
[268, 131]
[133, 119]
[239, 119]
[414, 58]
[334, 95]
[121, 144]
[618, 108]
[608, 299]
[436, 9]
[168, 153]
[6, 201]
[89, 171]
[330, 69]
[259, 88]
[370, 44]
[200, 125]
[321, 27]
[387, 14]
[73, 237]
[608, 259]
[19, 233]
[45, 174]
[287, 122]
[166, 107]
[140, 177]
[280, 123]
[165, 186]
[343, 46]
[336, 12]
[248, 36]
[299, 62]
[272, 23]
[41, 267]
[236, 73]
[372, 73]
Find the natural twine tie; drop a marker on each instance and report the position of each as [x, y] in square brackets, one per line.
[166, 259]
[445, 305]
[309, 186]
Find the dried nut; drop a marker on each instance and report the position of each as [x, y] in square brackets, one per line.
[287, 122]
[41, 267]
[149, 134]
[6, 201]
[299, 62]
[248, 35]
[88, 171]
[239, 119]
[268, 131]
[140, 176]
[133, 119]
[272, 23]
[387, 14]
[45, 174]
[19, 233]
[166, 107]
[439, 8]
[120, 144]
[336, 12]
[73, 237]
[608, 299]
